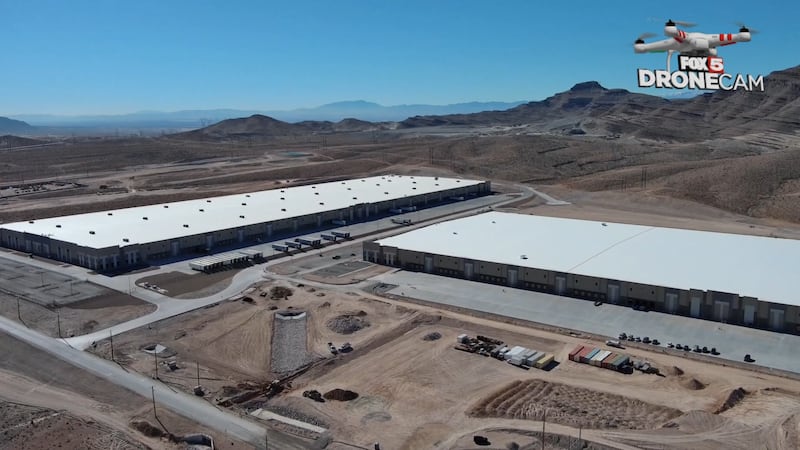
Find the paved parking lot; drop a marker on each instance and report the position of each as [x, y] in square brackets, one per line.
[769, 349]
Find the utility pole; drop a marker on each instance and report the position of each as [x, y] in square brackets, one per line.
[111, 338]
[155, 359]
[544, 420]
[58, 319]
[198, 372]
[19, 313]
[153, 390]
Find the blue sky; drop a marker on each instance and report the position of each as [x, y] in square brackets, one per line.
[106, 57]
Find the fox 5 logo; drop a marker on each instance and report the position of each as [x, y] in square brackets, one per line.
[712, 64]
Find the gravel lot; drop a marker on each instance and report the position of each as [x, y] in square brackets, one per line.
[289, 344]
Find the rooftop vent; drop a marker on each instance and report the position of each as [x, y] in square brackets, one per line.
[30, 221]
[349, 189]
[283, 198]
[355, 198]
[386, 193]
[110, 214]
[241, 217]
[247, 195]
[125, 240]
[282, 191]
[186, 225]
[363, 181]
[321, 203]
[413, 182]
[435, 178]
[91, 232]
[316, 193]
[58, 226]
[144, 218]
[283, 209]
[208, 201]
[458, 181]
[413, 188]
[313, 187]
[202, 210]
[377, 184]
[244, 204]
[437, 184]
[166, 206]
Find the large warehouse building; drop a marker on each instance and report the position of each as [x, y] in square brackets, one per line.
[132, 237]
[724, 277]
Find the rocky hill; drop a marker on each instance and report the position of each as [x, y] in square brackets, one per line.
[11, 126]
[591, 108]
[259, 126]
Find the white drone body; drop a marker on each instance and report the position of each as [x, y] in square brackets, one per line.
[691, 44]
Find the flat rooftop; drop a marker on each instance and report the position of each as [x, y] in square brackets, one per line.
[166, 221]
[752, 266]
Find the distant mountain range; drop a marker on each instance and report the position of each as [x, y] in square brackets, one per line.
[11, 126]
[333, 112]
[586, 109]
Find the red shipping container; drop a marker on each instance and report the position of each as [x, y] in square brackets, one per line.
[606, 364]
[574, 352]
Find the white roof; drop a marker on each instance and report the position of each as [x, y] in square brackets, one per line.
[166, 221]
[752, 266]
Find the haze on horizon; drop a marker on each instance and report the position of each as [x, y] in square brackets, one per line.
[92, 57]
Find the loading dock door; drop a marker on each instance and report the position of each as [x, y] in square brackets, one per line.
[429, 264]
[561, 285]
[776, 319]
[672, 302]
[749, 314]
[512, 277]
[175, 248]
[613, 293]
[469, 270]
[694, 310]
[721, 311]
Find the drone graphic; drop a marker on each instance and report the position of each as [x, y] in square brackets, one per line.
[689, 44]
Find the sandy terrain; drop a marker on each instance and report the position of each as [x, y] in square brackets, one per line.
[71, 409]
[76, 318]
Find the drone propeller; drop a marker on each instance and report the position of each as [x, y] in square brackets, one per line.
[672, 23]
[643, 36]
[745, 29]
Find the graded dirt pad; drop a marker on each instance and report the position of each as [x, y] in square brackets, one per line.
[182, 285]
[29, 428]
[77, 318]
[573, 406]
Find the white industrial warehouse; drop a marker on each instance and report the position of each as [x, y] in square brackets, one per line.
[724, 277]
[132, 237]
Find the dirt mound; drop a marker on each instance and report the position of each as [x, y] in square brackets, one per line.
[733, 399]
[340, 395]
[571, 406]
[697, 421]
[675, 370]
[325, 305]
[432, 336]
[694, 384]
[146, 428]
[348, 323]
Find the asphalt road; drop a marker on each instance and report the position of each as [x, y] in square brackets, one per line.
[769, 349]
[186, 405]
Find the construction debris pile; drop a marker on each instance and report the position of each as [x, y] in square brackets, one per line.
[518, 356]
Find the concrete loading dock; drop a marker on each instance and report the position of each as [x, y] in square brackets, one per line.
[676, 271]
[129, 238]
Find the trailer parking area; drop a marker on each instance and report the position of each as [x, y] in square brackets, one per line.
[769, 349]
